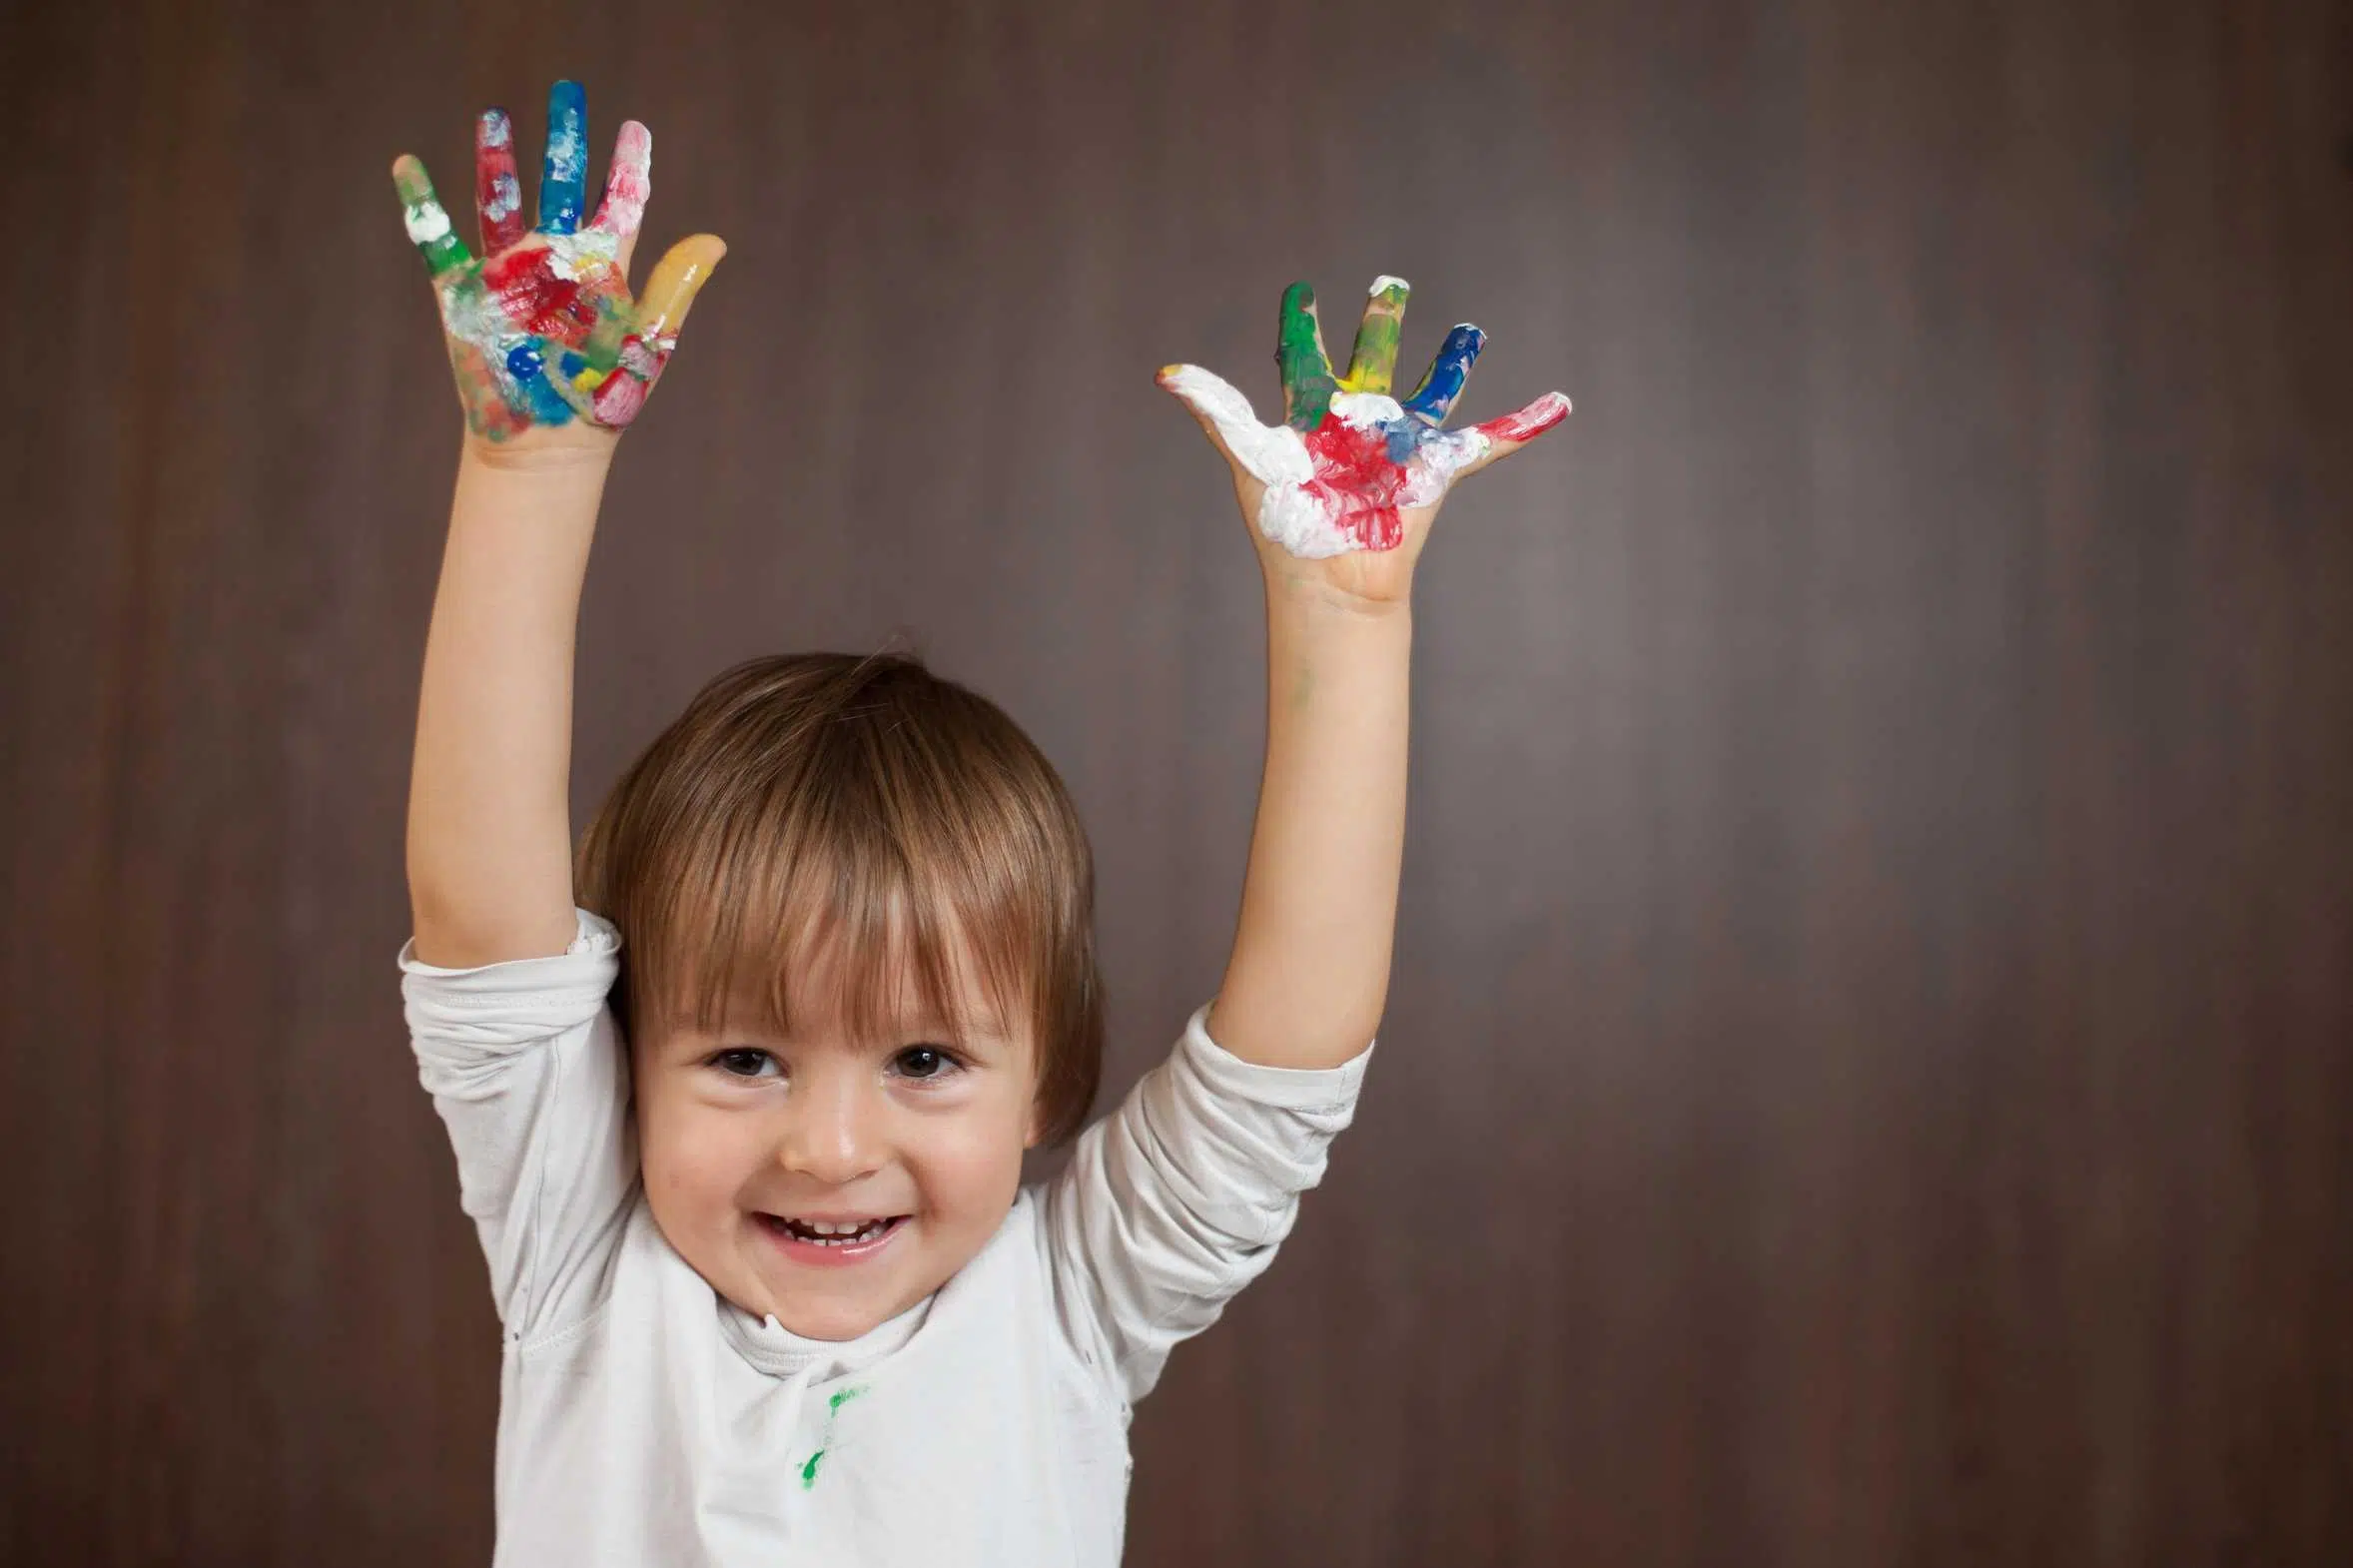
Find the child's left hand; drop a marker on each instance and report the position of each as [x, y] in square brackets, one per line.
[1342, 492]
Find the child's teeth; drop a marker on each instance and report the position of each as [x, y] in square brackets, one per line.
[825, 1233]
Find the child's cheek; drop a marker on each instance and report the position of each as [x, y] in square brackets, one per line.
[971, 1162]
[699, 1158]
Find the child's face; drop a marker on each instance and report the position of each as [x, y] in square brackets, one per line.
[914, 1147]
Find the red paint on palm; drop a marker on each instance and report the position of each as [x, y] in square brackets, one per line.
[541, 300]
[1358, 484]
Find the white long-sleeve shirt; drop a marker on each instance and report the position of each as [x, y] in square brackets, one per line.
[644, 1419]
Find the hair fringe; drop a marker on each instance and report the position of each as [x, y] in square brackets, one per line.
[859, 816]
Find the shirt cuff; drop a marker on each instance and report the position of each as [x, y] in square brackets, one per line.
[514, 1002]
[1294, 1088]
[595, 934]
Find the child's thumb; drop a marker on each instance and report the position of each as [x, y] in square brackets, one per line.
[1223, 412]
[677, 278]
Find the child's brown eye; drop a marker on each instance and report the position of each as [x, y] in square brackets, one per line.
[742, 1062]
[923, 1062]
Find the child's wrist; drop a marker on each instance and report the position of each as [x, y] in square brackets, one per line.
[1294, 590]
[560, 450]
[532, 480]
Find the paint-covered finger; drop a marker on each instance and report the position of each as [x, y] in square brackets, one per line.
[1274, 454]
[1300, 354]
[619, 399]
[1443, 382]
[1509, 433]
[498, 195]
[628, 183]
[563, 175]
[1213, 402]
[428, 225]
[1372, 364]
[678, 277]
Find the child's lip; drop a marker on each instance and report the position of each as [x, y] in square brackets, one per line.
[823, 1255]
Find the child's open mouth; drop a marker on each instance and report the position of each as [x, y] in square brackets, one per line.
[822, 1241]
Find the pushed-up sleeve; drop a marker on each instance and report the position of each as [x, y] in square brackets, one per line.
[1174, 1202]
[525, 1065]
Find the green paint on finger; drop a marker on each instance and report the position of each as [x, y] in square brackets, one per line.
[1298, 352]
[427, 220]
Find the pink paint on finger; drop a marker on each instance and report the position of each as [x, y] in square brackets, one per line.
[645, 359]
[1529, 422]
[619, 399]
[619, 395]
[628, 183]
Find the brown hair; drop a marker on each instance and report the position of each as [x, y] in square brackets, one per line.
[868, 804]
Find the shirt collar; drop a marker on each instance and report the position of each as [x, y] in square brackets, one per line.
[776, 1351]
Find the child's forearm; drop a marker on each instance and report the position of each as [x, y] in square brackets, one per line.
[1309, 973]
[1340, 496]
[490, 816]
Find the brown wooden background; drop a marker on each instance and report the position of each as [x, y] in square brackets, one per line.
[1869, 1072]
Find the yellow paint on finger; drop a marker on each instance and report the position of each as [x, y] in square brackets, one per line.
[1373, 363]
[677, 278]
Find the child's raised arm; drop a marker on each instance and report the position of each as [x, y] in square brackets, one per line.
[552, 358]
[1343, 495]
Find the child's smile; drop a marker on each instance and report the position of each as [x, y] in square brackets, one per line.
[832, 1242]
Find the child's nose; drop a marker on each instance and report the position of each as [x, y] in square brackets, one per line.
[833, 1135]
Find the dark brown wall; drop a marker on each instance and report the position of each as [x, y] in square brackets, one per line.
[1870, 1073]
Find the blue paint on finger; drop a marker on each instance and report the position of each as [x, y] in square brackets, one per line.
[1442, 382]
[563, 177]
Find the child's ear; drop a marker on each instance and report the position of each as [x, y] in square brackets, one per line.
[1031, 1131]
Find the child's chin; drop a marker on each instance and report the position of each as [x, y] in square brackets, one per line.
[836, 1308]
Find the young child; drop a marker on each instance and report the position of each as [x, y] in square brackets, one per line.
[739, 1100]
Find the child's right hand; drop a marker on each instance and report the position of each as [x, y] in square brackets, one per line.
[548, 347]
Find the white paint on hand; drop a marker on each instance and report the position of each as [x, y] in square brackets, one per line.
[505, 197]
[1294, 513]
[576, 255]
[567, 158]
[427, 221]
[1436, 460]
[1290, 514]
[1385, 281]
[1365, 411]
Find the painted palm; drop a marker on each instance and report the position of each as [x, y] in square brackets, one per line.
[541, 327]
[1351, 468]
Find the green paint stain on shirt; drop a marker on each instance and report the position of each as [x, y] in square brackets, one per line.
[833, 1412]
